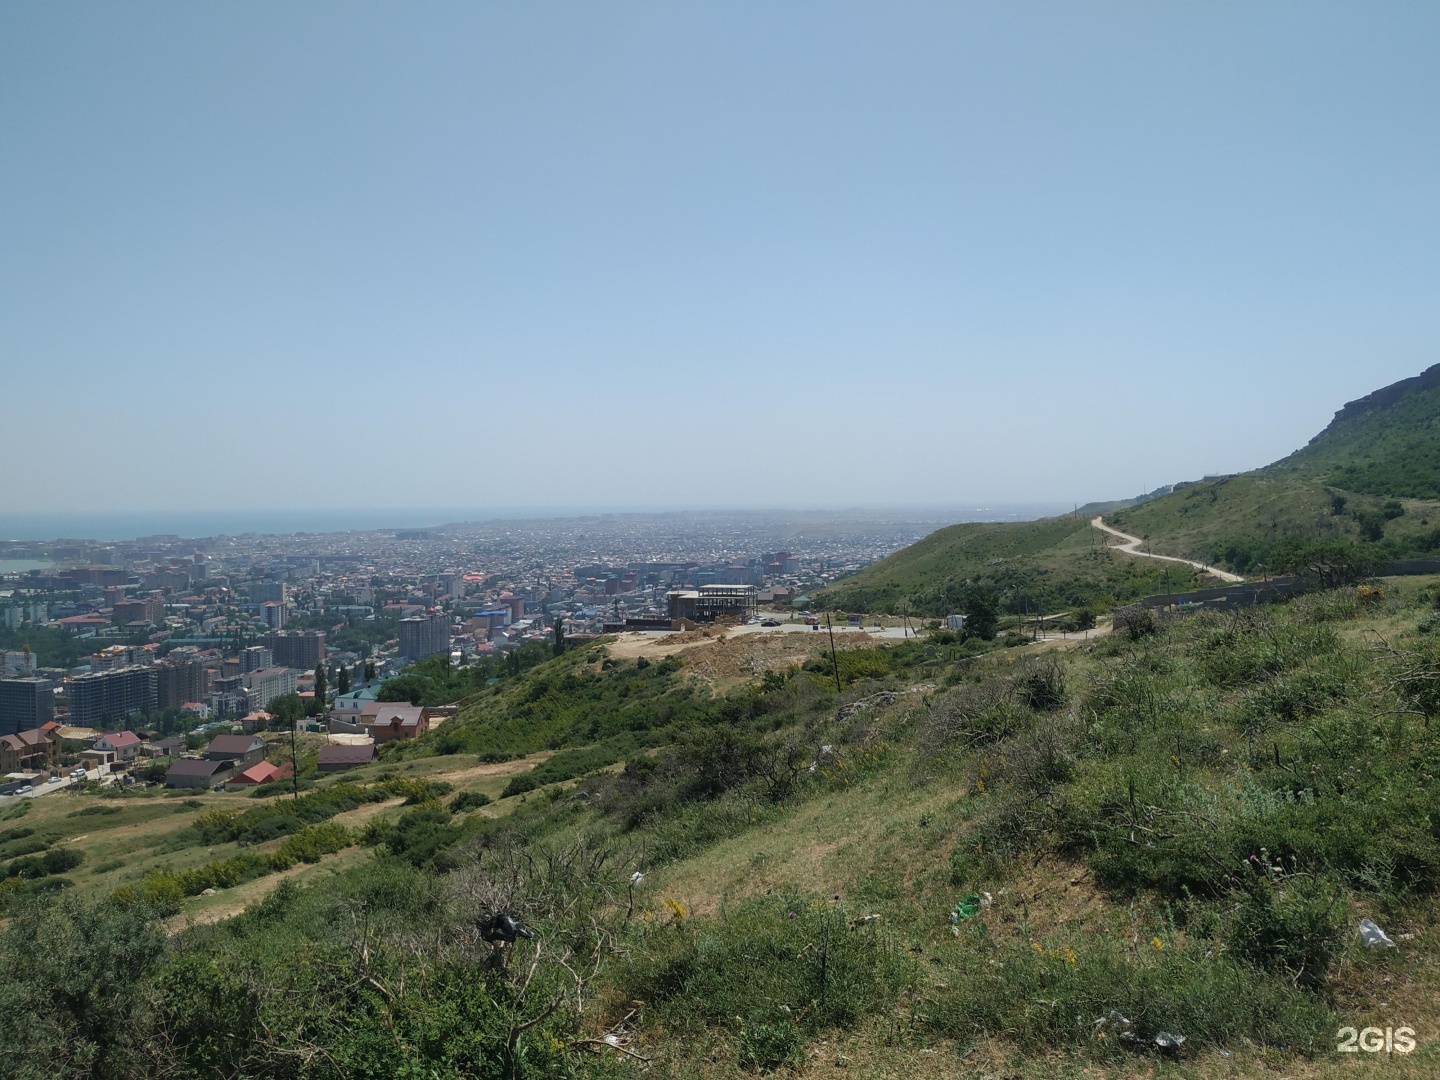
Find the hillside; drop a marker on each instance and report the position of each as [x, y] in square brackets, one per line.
[1384, 444]
[1028, 861]
[1049, 565]
[1371, 477]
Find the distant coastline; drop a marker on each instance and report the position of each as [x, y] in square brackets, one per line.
[204, 523]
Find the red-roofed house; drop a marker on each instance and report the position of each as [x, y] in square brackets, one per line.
[263, 773]
[123, 744]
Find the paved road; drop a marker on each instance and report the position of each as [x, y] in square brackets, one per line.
[1132, 547]
[59, 785]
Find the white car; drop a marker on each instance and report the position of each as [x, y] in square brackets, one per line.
[25, 789]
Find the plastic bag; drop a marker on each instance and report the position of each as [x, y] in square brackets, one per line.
[1372, 937]
[1169, 1042]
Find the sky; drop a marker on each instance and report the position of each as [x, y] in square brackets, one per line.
[646, 255]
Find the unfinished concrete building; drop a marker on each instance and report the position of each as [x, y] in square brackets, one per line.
[711, 602]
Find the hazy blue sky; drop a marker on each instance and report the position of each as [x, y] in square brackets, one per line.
[648, 254]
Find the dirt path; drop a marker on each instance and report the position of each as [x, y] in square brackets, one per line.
[1132, 547]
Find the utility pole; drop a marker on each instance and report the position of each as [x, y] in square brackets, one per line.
[294, 754]
[834, 659]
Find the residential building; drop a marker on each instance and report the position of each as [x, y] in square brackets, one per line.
[115, 657]
[105, 698]
[424, 635]
[149, 610]
[263, 592]
[397, 722]
[125, 745]
[300, 649]
[198, 773]
[256, 657]
[171, 747]
[178, 680]
[26, 703]
[262, 772]
[267, 683]
[273, 614]
[336, 758]
[16, 662]
[241, 751]
[353, 709]
[38, 748]
[228, 696]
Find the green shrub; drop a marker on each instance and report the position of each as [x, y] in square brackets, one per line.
[415, 790]
[1048, 994]
[1293, 925]
[805, 970]
[467, 801]
[285, 816]
[565, 765]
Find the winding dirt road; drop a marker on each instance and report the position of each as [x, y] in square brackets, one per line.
[1132, 547]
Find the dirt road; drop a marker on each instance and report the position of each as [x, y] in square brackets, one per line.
[1132, 547]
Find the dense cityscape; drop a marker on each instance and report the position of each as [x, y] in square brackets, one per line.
[173, 636]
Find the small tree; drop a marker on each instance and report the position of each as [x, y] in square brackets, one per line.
[320, 682]
[1327, 564]
[559, 635]
[982, 613]
[342, 680]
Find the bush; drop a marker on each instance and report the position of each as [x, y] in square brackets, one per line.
[78, 974]
[804, 970]
[566, 765]
[54, 861]
[1294, 926]
[416, 791]
[467, 801]
[1047, 994]
[285, 816]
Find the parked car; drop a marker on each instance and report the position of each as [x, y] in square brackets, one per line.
[770, 622]
[25, 789]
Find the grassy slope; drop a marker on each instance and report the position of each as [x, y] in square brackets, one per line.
[1383, 446]
[1055, 563]
[123, 839]
[891, 843]
[937, 784]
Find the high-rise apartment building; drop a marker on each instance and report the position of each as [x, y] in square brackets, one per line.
[148, 609]
[109, 697]
[16, 662]
[263, 592]
[272, 613]
[256, 657]
[179, 681]
[302, 649]
[268, 683]
[424, 635]
[25, 704]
